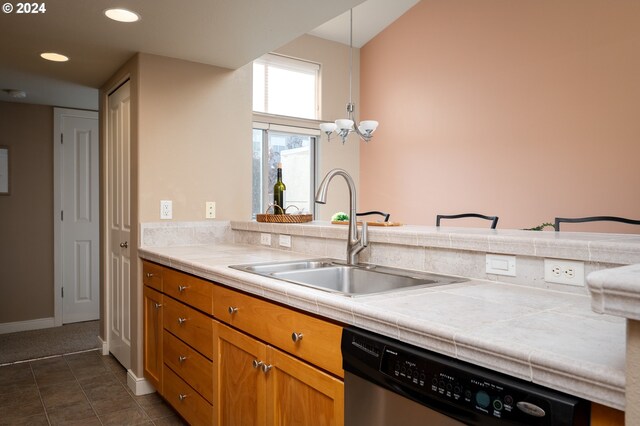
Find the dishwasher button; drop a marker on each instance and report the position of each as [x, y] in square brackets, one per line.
[483, 399]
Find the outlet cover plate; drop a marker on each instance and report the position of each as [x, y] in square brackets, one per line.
[210, 210]
[564, 272]
[166, 209]
[265, 239]
[501, 265]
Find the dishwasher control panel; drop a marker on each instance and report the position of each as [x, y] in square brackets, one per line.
[483, 395]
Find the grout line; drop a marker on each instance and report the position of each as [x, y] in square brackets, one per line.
[81, 388]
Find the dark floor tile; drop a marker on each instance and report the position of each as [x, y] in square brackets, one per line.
[37, 420]
[112, 404]
[89, 421]
[89, 371]
[72, 412]
[112, 363]
[129, 417]
[170, 421]
[15, 388]
[15, 413]
[146, 400]
[54, 377]
[104, 390]
[121, 376]
[83, 359]
[24, 395]
[17, 373]
[62, 394]
[158, 410]
[50, 364]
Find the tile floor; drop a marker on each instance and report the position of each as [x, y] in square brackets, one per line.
[81, 389]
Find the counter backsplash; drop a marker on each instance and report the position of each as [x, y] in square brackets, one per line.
[455, 251]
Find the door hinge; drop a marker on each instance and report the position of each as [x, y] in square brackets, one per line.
[62, 215]
[61, 138]
[62, 292]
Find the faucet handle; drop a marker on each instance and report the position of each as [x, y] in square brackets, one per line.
[364, 238]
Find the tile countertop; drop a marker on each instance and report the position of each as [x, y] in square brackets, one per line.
[547, 337]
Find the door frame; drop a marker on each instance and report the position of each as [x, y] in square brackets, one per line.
[58, 114]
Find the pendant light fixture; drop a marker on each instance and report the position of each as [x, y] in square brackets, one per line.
[345, 126]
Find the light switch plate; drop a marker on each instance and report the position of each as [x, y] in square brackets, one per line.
[284, 241]
[265, 239]
[501, 265]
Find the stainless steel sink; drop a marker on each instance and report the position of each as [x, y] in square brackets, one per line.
[350, 280]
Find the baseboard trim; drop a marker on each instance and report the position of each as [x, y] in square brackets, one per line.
[139, 385]
[35, 324]
[104, 345]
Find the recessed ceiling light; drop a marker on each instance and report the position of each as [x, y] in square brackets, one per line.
[55, 57]
[122, 15]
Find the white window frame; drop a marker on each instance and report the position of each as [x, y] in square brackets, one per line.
[292, 64]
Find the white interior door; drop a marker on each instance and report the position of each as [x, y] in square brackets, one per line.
[119, 225]
[77, 222]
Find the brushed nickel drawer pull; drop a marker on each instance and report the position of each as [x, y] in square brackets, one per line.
[256, 363]
[296, 337]
[266, 368]
[182, 288]
[182, 359]
[232, 310]
[149, 275]
[182, 397]
[157, 305]
[181, 320]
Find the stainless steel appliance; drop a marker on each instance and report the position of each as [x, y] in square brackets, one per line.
[390, 383]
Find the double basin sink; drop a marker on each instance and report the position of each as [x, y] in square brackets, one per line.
[349, 280]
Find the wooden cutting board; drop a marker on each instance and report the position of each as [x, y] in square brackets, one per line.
[345, 222]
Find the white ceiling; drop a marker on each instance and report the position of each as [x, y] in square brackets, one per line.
[226, 33]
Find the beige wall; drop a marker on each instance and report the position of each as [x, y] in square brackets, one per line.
[334, 61]
[195, 139]
[527, 110]
[26, 216]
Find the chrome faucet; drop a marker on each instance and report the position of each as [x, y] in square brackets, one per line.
[354, 244]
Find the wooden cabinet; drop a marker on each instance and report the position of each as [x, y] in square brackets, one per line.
[261, 385]
[153, 334]
[606, 416]
[312, 339]
[281, 367]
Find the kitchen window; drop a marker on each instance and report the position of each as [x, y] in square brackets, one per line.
[286, 86]
[295, 148]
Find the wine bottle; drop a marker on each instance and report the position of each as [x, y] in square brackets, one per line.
[278, 192]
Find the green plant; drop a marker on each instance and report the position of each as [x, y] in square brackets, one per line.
[540, 227]
[340, 217]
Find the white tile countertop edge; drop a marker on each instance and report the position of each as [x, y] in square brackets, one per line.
[593, 375]
[616, 291]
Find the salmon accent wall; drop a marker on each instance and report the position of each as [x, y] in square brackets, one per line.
[527, 110]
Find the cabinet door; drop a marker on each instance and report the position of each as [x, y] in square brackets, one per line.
[300, 394]
[240, 384]
[153, 337]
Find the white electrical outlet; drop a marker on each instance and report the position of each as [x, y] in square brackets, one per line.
[265, 239]
[564, 271]
[166, 209]
[210, 210]
[284, 241]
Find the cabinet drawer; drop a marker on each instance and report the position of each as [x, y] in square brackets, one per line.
[320, 340]
[152, 275]
[189, 325]
[193, 407]
[192, 367]
[190, 290]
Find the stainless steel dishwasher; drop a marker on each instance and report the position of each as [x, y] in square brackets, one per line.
[391, 383]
